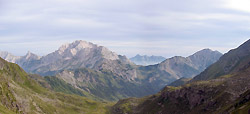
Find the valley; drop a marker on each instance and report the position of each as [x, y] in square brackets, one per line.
[98, 72]
[205, 82]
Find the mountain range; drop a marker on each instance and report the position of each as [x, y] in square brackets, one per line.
[147, 60]
[208, 83]
[97, 71]
[78, 54]
[222, 88]
[21, 60]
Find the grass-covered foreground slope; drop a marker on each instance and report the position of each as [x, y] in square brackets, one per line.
[180, 82]
[22, 95]
[242, 106]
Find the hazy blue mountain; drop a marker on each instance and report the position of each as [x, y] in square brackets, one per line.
[147, 60]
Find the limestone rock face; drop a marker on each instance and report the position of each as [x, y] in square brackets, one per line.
[79, 54]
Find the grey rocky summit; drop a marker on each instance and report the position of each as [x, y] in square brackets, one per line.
[189, 66]
[79, 54]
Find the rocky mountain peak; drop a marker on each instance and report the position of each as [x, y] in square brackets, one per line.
[9, 57]
[82, 48]
[107, 54]
[79, 44]
[63, 48]
[75, 47]
[31, 56]
[205, 53]
[78, 54]
[190, 66]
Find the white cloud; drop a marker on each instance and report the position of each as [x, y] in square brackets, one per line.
[242, 5]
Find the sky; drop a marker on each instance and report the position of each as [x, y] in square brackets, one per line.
[128, 27]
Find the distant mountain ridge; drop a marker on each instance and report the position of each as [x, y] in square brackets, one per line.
[189, 66]
[147, 60]
[9, 57]
[19, 59]
[79, 54]
[99, 71]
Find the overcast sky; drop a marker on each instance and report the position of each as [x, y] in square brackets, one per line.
[127, 27]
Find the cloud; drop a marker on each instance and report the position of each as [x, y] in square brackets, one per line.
[241, 5]
[81, 23]
[127, 27]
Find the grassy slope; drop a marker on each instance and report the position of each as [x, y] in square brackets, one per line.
[59, 85]
[242, 105]
[20, 94]
[180, 82]
[4, 110]
[213, 96]
[108, 86]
